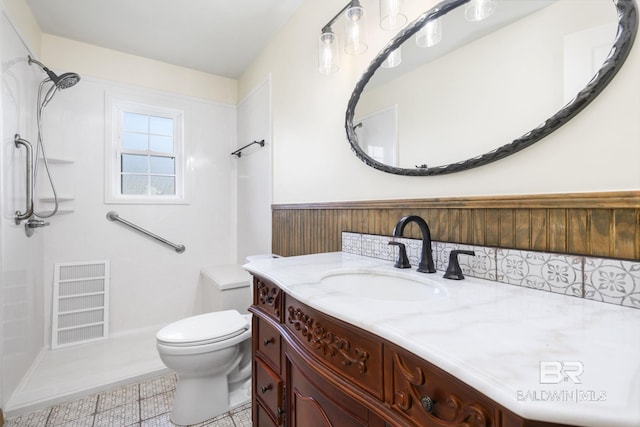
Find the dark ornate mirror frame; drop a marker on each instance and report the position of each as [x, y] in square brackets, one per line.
[627, 28]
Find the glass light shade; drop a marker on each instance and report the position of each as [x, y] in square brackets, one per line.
[327, 53]
[392, 15]
[354, 43]
[394, 59]
[477, 10]
[430, 34]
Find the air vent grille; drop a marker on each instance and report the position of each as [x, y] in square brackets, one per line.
[80, 303]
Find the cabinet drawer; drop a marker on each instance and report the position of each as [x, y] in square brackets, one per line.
[428, 396]
[268, 389]
[352, 353]
[268, 298]
[268, 344]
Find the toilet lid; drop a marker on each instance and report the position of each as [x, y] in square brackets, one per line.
[204, 328]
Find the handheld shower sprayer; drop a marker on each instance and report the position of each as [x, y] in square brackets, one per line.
[63, 81]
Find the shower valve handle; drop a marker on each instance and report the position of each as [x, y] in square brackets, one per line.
[36, 223]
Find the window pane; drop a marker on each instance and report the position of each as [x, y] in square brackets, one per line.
[163, 185]
[135, 141]
[161, 144]
[132, 163]
[161, 126]
[136, 122]
[162, 165]
[134, 184]
[149, 147]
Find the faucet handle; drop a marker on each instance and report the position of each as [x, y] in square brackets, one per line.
[403, 260]
[454, 271]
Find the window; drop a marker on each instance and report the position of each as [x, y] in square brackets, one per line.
[146, 154]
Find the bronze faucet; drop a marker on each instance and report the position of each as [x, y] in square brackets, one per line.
[426, 260]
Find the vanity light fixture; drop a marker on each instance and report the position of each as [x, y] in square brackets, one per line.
[354, 15]
[430, 34]
[392, 15]
[477, 10]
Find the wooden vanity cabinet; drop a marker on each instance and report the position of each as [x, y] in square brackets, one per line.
[313, 370]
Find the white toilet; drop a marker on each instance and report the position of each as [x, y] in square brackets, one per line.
[211, 352]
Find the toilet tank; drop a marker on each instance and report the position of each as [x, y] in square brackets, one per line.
[225, 287]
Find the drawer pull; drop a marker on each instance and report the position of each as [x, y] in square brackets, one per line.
[427, 403]
[266, 342]
[265, 388]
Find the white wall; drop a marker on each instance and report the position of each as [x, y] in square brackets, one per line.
[254, 173]
[150, 283]
[312, 160]
[107, 64]
[21, 299]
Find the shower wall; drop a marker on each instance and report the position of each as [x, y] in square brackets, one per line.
[254, 173]
[150, 283]
[21, 268]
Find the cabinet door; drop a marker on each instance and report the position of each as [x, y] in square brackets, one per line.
[261, 418]
[314, 402]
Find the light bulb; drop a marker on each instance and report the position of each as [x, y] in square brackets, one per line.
[477, 10]
[430, 34]
[392, 15]
[394, 59]
[354, 29]
[327, 53]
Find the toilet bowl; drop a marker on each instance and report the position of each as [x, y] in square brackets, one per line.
[211, 352]
[211, 355]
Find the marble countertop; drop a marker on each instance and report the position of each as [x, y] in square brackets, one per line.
[505, 341]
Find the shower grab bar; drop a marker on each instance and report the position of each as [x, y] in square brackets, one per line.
[19, 217]
[238, 152]
[113, 216]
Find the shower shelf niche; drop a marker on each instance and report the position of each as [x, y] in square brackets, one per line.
[64, 204]
[60, 199]
[58, 212]
[63, 171]
[58, 161]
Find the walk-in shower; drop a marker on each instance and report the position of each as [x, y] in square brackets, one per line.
[47, 89]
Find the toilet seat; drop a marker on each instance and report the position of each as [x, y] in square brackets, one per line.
[204, 329]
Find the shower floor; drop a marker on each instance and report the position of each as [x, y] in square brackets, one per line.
[67, 373]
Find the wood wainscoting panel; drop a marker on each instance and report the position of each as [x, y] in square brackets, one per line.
[591, 224]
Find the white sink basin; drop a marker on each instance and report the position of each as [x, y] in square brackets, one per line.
[382, 286]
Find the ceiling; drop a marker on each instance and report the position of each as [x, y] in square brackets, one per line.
[220, 37]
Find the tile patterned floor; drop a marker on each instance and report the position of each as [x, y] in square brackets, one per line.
[146, 404]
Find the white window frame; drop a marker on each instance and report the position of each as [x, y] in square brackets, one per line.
[115, 109]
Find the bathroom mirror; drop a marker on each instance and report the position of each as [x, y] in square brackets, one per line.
[488, 89]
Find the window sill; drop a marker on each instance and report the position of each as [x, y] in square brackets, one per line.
[146, 201]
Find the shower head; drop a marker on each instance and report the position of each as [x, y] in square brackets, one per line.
[66, 80]
[62, 81]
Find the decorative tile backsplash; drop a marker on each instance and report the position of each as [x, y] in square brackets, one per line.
[612, 281]
[607, 280]
[557, 273]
